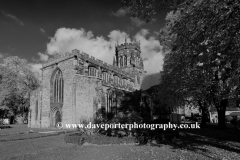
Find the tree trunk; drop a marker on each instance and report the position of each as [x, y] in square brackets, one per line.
[204, 114]
[221, 114]
[204, 117]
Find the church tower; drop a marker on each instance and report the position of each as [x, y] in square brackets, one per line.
[128, 58]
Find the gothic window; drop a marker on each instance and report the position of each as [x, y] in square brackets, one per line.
[121, 61]
[125, 60]
[108, 76]
[36, 110]
[58, 86]
[116, 80]
[92, 71]
[109, 102]
[105, 76]
[124, 82]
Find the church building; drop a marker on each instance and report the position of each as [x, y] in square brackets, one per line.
[76, 86]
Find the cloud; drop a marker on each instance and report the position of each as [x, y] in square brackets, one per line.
[36, 68]
[14, 18]
[66, 39]
[43, 57]
[151, 51]
[42, 30]
[2, 55]
[119, 13]
[137, 22]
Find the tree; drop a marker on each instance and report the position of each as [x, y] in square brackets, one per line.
[208, 34]
[147, 9]
[7, 83]
[202, 43]
[17, 82]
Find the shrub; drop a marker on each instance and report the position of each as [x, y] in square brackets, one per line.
[234, 121]
[238, 124]
[78, 138]
[122, 118]
[75, 138]
[228, 118]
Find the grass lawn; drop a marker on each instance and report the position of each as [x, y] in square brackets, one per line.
[189, 146]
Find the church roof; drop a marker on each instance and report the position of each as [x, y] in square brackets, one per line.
[150, 80]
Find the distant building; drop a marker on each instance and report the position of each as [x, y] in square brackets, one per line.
[76, 86]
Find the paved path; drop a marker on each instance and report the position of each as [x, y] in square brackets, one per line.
[23, 128]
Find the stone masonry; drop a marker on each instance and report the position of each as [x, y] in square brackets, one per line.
[76, 86]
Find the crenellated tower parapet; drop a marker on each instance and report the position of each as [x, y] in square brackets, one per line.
[128, 55]
[130, 46]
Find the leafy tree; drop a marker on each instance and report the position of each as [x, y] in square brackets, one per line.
[17, 81]
[202, 40]
[7, 83]
[147, 9]
[208, 41]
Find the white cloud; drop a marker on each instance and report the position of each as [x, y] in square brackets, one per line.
[42, 30]
[66, 39]
[43, 57]
[2, 55]
[120, 13]
[36, 68]
[151, 51]
[137, 22]
[14, 18]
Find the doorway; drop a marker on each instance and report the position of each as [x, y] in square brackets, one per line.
[58, 117]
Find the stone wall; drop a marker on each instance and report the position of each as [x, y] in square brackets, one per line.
[83, 95]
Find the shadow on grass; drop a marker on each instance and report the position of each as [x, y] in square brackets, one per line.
[199, 141]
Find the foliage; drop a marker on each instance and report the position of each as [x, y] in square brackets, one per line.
[78, 138]
[229, 118]
[75, 138]
[147, 9]
[17, 81]
[208, 42]
[7, 83]
[201, 42]
[122, 118]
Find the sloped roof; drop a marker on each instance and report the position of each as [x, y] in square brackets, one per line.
[150, 80]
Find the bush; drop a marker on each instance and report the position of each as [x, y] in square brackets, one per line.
[228, 118]
[76, 138]
[238, 124]
[234, 121]
[122, 118]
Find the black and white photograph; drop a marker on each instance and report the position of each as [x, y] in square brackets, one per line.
[119, 79]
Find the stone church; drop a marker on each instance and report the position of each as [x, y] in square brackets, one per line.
[76, 86]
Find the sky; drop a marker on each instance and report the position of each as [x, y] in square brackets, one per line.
[37, 29]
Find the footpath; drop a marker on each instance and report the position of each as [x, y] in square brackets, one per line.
[21, 132]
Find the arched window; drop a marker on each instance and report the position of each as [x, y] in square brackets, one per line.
[92, 71]
[36, 110]
[58, 87]
[124, 82]
[125, 60]
[122, 61]
[105, 76]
